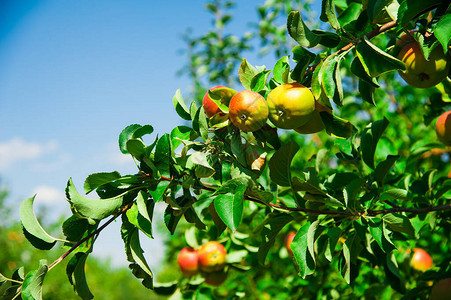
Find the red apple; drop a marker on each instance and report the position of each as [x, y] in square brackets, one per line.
[188, 261]
[212, 256]
[288, 241]
[421, 260]
[443, 128]
[210, 107]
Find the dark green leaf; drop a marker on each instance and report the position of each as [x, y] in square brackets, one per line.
[358, 70]
[328, 13]
[140, 214]
[271, 229]
[398, 194]
[280, 68]
[96, 209]
[366, 91]
[75, 271]
[167, 288]
[336, 126]
[375, 61]
[74, 228]
[409, 9]
[42, 240]
[280, 162]
[400, 223]
[95, 180]
[378, 232]
[163, 155]
[370, 137]
[158, 190]
[383, 167]
[327, 39]
[300, 32]
[179, 134]
[333, 235]
[136, 148]
[125, 135]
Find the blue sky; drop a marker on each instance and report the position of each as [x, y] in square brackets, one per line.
[75, 73]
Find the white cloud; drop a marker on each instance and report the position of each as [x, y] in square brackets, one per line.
[116, 157]
[17, 149]
[48, 195]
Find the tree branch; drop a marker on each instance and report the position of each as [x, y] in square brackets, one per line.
[98, 230]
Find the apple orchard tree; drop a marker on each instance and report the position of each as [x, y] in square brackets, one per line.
[352, 162]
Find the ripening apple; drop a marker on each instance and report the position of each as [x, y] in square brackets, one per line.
[188, 261]
[421, 260]
[288, 241]
[441, 290]
[248, 111]
[420, 72]
[212, 256]
[443, 128]
[210, 107]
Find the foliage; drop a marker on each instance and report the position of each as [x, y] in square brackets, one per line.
[359, 194]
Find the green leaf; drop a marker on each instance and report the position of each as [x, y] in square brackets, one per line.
[409, 9]
[136, 148]
[180, 106]
[125, 135]
[399, 223]
[138, 255]
[328, 13]
[327, 39]
[443, 31]
[297, 185]
[383, 167]
[311, 237]
[74, 228]
[203, 168]
[32, 284]
[166, 288]
[300, 32]
[351, 13]
[141, 131]
[258, 82]
[358, 70]
[273, 224]
[246, 72]
[370, 137]
[379, 233]
[398, 194]
[158, 190]
[280, 68]
[280, 162]
[366, 92]
[351, 249]
[41, 239]
[333, 235]
[200, 123]
[327, 75]
[336, 126]
[91, 208]
[171, 218]
[375, 61]
[181, 133]
[140, 214]
[301, 253]
[230, 207]
[95, 180]
[163, 155]
[75, 271]
[221, 96]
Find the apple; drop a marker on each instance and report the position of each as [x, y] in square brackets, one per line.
[441, 290]
[212, 256]
[288, 241]
[290, 105]
[422, 73]
[188, 261]
[210, 107]
[443, 128]
[216, 278]
[421, 260]
[248, 111]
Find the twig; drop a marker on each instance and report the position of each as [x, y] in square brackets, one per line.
[98, 230]
[409, 210]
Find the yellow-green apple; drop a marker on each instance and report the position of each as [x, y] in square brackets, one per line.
[290, 105]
